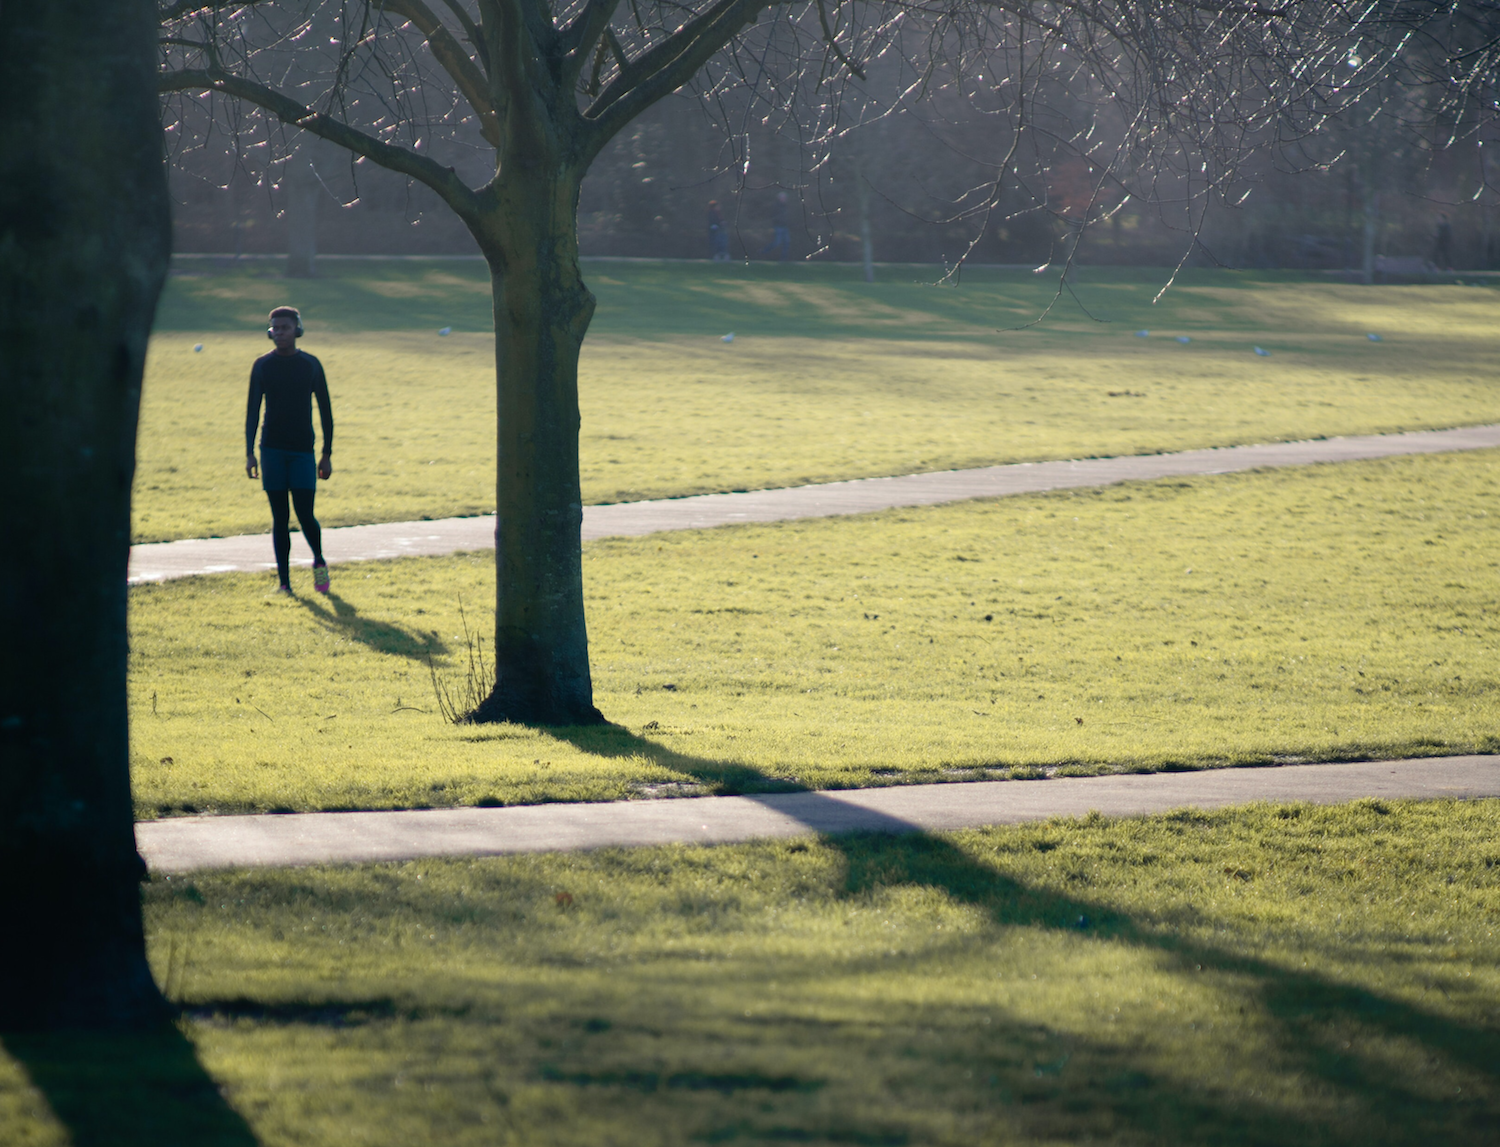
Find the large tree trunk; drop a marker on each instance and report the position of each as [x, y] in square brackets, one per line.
[84, 242]
[542, 310]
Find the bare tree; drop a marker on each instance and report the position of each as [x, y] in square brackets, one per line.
[84, 242]
[500, 106]
[542, 91]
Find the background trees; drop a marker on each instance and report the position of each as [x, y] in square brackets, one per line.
[646, 192]
[84, 236]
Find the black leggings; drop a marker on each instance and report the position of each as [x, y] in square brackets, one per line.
[281, 528]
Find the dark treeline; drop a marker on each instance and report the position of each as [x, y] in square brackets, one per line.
[905, 178]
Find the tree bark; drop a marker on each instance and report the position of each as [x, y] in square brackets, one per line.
[84, 243]
[862, 202]
[1371, 223]
[542, 311]
[302, 194]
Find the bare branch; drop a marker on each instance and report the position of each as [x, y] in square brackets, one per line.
[828, 38]
[448, 52]
[471, 30]
[579, 38]
[519, 48]
[663, 69]
[444, 180]
[616, 49]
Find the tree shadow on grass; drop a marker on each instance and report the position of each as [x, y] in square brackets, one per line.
[129, 1089]
[1306, 1007]
[725, 778]
[381, 636]
[883, 851]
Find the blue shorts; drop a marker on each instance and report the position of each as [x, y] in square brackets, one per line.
[287, 470]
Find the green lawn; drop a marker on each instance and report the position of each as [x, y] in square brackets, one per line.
[1272, 976]
[828, 377]
[1317, 613]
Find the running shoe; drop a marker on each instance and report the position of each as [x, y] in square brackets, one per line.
[286, 589]
[320, 578]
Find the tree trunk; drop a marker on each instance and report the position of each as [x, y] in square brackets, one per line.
[542, 310]
[862, 204]
[84, 242]
[867, 247]
[302, 193]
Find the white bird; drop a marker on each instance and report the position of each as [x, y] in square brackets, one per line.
[446, 331]
[197, 348]
[729, 338]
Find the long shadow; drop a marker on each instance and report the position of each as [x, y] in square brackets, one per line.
[129, 1089]
[381, 636]
[884, 851]
[724, 777]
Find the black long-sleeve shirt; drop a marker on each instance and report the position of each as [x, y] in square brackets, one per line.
[288, 383]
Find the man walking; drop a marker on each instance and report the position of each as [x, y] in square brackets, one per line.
[289, 379]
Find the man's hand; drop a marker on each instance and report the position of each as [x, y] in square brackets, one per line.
[251, 469]
[325, 468]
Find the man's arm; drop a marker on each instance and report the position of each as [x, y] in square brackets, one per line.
[325, 415]
[252, 416]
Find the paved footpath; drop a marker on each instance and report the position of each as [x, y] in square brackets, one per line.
[183, 844]
[159, 561]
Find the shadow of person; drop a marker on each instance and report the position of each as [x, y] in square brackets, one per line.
[882, 851]
[382, 636]
[123, 1089]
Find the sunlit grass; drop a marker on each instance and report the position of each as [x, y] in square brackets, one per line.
[1272, 975]
[827, 378]
[1317, 613]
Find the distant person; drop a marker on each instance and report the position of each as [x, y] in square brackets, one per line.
[288, 380]
[718, 234]
[1442, 245]
[781, 232]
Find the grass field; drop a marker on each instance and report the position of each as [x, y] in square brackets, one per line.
[1316, 613]
[828, 377]
[1270, 976]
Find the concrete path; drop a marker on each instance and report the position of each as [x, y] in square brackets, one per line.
[164, 560]
[183, 844]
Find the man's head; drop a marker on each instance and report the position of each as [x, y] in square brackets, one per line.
[285, 329]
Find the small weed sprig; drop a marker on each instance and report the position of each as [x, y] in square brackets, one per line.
[456, 705]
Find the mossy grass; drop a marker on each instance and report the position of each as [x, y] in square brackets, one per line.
[1268, 975]
[827, 378]
[1317, 613]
